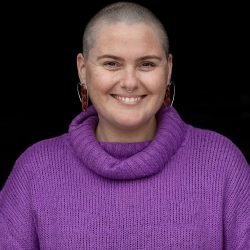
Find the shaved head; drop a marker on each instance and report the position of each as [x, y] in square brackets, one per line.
[125, 12]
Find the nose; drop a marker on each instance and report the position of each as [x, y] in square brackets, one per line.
[129, 79]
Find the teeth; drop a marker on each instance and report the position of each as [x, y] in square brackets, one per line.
[128, 99]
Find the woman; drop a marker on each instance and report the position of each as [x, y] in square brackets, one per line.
[130, 173]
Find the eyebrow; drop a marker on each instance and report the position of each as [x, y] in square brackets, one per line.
[121, 59]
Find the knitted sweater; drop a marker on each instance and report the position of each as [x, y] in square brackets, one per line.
[188, 188]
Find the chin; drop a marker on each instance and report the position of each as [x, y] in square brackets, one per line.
[129, 123]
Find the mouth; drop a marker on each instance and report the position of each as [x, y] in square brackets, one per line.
[131, 100]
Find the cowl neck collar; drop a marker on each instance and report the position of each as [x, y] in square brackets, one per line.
[149, 157]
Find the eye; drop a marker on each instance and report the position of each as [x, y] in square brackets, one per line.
[147, 65]
[111, 65]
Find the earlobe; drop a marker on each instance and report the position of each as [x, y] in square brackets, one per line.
[81, 67]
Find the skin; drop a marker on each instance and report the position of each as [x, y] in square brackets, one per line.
[126, 57]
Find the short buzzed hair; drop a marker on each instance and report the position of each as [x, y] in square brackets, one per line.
[130, 13]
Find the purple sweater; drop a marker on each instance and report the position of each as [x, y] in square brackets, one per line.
[188, 188]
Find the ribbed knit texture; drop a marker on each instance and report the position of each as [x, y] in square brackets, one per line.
[188, 188]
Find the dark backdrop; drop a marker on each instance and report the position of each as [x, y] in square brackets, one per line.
[209, 43]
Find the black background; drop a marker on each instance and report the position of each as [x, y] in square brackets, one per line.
[40, 41]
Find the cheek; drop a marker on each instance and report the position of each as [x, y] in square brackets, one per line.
[99, 83]
[155, 83]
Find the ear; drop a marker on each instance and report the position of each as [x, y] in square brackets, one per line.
[169, 67]
[81, 67]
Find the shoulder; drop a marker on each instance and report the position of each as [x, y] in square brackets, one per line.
[44, 151]
[216, 148]
[211, 140]
[37, 159]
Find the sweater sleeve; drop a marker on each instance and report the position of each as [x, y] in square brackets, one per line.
[237, 203]
[17, 229]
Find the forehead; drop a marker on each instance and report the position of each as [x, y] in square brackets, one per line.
[123, 38]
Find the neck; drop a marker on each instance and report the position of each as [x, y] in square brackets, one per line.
[108, 133]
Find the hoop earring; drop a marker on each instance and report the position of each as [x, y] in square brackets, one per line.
[83, 96]
[167, 101]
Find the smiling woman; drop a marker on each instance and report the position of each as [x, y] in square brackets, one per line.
[126, 80]
[130, 173]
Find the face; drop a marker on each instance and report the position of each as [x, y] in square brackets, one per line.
[126, 58]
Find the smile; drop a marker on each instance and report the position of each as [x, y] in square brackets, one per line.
[128, 100]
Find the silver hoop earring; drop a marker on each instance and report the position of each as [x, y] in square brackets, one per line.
[77, 87]
[172, 83]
